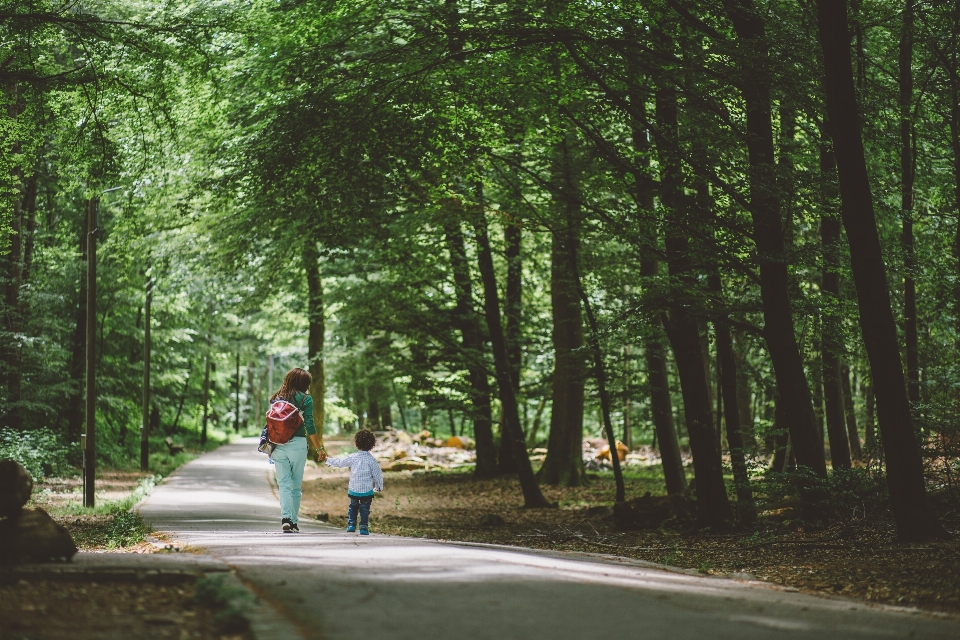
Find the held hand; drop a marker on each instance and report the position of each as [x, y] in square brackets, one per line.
[321, 455]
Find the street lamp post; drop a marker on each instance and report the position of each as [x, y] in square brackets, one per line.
[90, 439]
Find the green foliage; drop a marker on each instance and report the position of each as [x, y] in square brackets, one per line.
[242, 134]
[126, 529]
[40, 451]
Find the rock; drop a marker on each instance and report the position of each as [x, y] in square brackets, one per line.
[399, 453]
[492, 520]
[649, 512]
[33, 535]
[323, 517]
[16, 485]
[404, 438]
[622, 452]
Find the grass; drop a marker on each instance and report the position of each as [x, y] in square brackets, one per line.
[108, 507]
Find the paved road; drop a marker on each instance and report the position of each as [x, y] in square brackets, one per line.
[335, 585]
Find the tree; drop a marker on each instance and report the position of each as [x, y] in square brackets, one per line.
[915, 519]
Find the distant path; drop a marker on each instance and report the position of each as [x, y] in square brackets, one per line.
[338, 586]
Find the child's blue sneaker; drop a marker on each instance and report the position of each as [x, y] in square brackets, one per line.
[351, 528]
[364, 532]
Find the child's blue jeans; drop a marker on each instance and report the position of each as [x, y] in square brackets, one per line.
[361, 504]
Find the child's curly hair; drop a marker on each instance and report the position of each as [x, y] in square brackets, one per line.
[364, 440]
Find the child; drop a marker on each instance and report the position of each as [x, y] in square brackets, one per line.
[365, 478]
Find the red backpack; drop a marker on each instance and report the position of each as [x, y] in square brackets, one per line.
[283, 420]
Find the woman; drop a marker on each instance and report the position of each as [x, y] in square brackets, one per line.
[291, 458]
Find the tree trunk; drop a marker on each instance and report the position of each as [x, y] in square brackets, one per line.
[915, 518]
[564, 462]
[387, 418]
[744, 395]
[12, 325]
[183, 397]
[532, 496]
[75, 403]
[713, 507]
[661, 406]
[316, 330]
[206, 401]
[870, 438]
[955, 146]
[627, 433]
[768, 234]
[535, 428]
[512, 315]
[781, 441]
[831, 346]
[851, 417]
[727, 371]
[466, 318]
[906, 203]
[601, 377]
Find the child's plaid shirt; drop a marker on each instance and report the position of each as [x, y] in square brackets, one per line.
[365, 473]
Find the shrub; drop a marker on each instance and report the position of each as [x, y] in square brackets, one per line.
[39, 450]
[845, 495]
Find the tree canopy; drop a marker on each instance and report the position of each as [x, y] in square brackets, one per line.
[728, 227]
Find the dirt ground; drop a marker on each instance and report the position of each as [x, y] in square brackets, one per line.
[861, 560]
[76, 607]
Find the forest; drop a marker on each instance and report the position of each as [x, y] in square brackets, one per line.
[728, 229]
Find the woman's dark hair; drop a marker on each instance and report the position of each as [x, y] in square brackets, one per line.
[296, 380]
[365, 440]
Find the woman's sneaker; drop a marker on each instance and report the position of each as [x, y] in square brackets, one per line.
[351, 528]
[363, 531]
[287, 525]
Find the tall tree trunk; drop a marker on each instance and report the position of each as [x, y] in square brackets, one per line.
[535, 428]
[627, 433]
[744, 394]
[727, 371]
[601, 377]
[781, 440]
[564, 462]
[869, 435]
[768, 234]
[206, 399]
[713, 506]
[30, 211]
[831, 346]
[532, 496]
[316, 329]
[13, 266]
[914, 516]
[849, 414]
[75, 403]
[13, 281]
[472, 341]
[513, 306]
[655, 357]
[183, 397]
[906, 203]
[955, 147]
